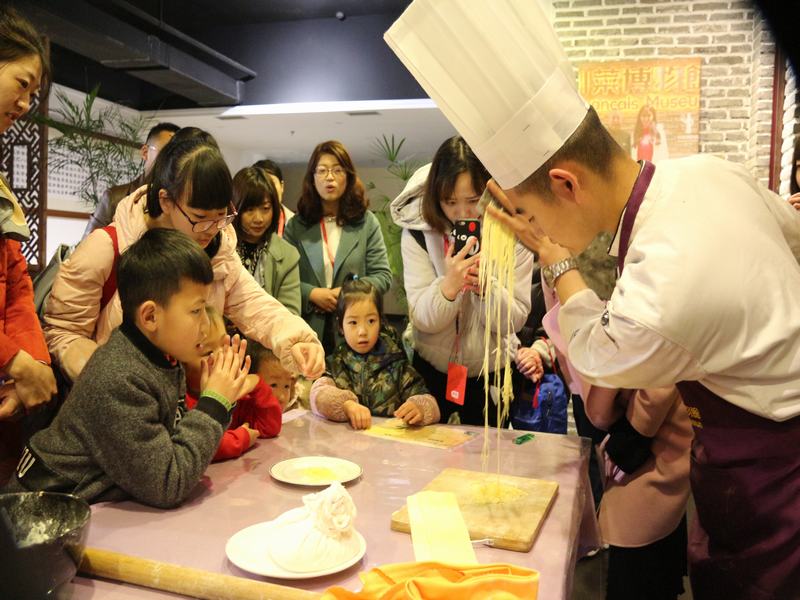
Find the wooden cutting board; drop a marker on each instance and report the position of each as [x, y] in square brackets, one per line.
[512, 524]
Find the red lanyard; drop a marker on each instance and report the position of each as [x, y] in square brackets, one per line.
[281, 223]
[446, 239]
[325, 238]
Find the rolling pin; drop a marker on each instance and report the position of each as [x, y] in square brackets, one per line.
[194, 583]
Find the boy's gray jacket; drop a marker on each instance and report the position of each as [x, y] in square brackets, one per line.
[122, 431]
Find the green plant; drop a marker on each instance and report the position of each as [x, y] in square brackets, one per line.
[389, 149]
[101, 142]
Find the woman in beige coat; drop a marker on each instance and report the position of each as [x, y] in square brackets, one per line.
[190, 190]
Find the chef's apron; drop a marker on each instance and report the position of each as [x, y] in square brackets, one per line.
[745, 476]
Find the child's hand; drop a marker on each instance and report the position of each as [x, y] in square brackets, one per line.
[358, 415]
[225, 371]
[309, 358]
[253, 434]
[794, 200]
[529, 364]
[409, 412]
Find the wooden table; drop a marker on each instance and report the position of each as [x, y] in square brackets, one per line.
[237, 493]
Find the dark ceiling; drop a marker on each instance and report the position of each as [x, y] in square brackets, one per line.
[191, 14]
[216, 31]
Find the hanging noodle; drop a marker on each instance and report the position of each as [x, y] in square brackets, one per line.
[497, 266]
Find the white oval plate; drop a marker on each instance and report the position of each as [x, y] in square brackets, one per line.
[315, 471]
[248, 549]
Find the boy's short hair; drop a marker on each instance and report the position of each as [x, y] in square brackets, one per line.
[154, 266]
[590, 145]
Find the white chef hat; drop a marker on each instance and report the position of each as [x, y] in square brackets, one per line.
[498, 73]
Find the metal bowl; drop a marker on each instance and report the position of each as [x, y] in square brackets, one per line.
[42, 538]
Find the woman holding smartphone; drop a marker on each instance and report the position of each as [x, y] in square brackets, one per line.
[446, 304]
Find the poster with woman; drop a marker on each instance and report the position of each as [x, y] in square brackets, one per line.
[651, 107]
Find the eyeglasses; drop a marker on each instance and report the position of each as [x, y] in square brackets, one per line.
[201, 226]
[322, 172]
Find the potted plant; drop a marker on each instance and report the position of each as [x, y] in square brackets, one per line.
[388, 148]
[100, 141]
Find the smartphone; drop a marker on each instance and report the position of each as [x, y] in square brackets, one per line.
[465, 229]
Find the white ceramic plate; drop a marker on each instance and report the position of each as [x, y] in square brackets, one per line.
[315, 471]
[249, 550]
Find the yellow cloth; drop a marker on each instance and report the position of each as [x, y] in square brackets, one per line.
[438, 581]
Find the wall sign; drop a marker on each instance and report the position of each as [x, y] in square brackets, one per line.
[651, 107]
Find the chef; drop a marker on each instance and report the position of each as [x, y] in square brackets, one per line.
[708, 294]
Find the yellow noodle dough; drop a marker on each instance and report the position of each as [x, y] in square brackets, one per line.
[497, 265]
[318, 474]
[494, 492]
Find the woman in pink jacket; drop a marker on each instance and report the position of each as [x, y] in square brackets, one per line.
[190, 190]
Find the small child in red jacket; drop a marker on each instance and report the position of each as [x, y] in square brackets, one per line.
[267, 366]
[257, 413]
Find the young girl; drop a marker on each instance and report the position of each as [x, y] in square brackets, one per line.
[369, 373]
[275, 173]
[446, 306]
[272, 261]
[335, 235]
[189, 189]
[256, 414]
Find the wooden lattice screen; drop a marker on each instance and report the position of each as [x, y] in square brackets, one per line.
[23, 158]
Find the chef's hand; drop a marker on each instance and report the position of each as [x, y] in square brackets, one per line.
[35, 383]
[527, 231]
[409, 412]
[309, 358]
[460, 270]
[794, 200]
[358, 415]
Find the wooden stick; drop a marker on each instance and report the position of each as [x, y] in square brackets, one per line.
[194, 583]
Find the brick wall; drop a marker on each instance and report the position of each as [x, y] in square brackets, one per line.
[737, 60]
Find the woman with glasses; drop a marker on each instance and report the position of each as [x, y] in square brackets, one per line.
[336, 235]
[190, 189]
[271, 260]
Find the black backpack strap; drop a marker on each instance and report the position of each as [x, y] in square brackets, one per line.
[419, 237]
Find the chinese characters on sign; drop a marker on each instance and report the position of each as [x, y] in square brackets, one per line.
[651, 107]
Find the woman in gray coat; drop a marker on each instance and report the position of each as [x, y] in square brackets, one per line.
[273, 262]
[336, 235]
